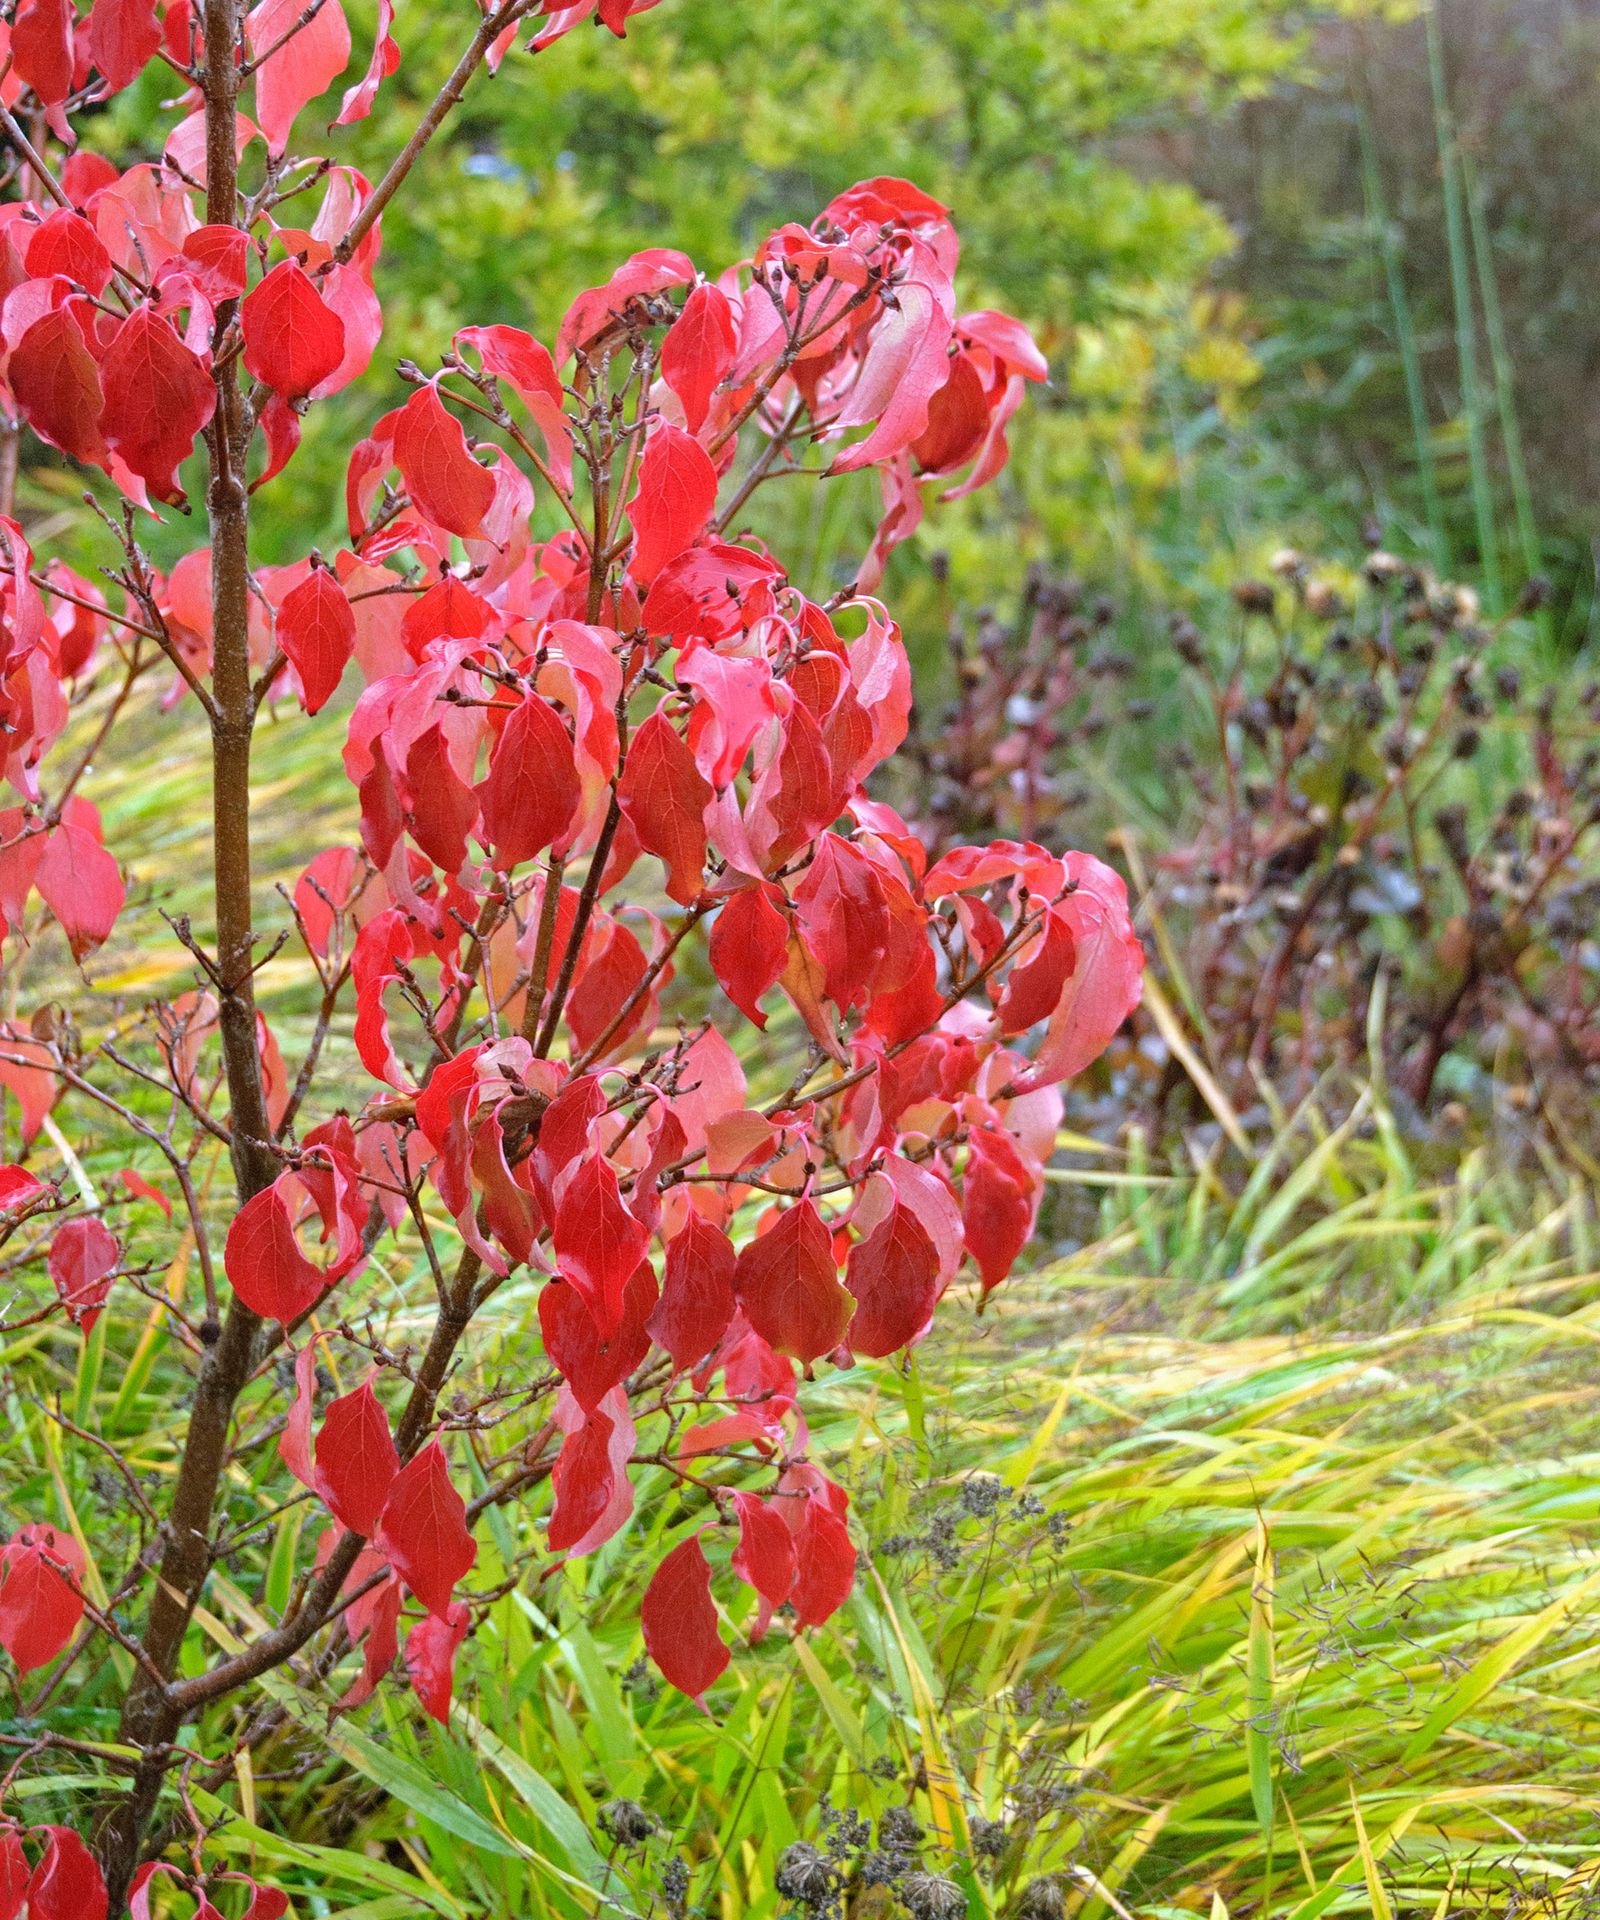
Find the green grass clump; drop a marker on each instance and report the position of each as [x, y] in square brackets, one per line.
[1241, 1559]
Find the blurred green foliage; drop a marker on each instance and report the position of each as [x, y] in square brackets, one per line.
[711, 123]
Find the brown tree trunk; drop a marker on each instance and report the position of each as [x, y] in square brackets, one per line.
[150, 1718]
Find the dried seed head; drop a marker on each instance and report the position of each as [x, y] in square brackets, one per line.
[805, 1874]
[929, 1896]
[626, 1822]
[1042, 1899]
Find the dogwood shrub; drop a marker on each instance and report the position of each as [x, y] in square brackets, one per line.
[595, 725]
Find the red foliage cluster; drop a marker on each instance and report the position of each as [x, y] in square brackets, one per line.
[556, 729]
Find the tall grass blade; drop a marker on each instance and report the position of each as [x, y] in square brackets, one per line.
[1472, 403]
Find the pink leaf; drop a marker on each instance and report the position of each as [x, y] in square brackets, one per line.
[79, 880]
[593, 311]
[124, 36]
[216, 258]
[357, 102]
[907, 360]
[1107, 978]
[297, 69]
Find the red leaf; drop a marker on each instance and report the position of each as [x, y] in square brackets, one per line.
[844, 916]
[444, 809]
[18, 1187]
[665, 796]
[1035, 984]
[787, 1281]
[124, 36]
[14, 1874]
[266, 1903]
[825, 1568]
[696, 1304]
[57, 386]
[296, 69]
[317, 630]
[997, 1203]
[749, 947]
[431, 1648]
[613, 965]
[327, 889]
[680, 1621]
[764, 1557]
[377, 1617]
[698, 350]
[217, 258]
[424, 1531]
[894, 1275]
[40, 1607]
[158, 397]
[264, 1262]
[531, 790]
[293, 340]
[598, 1242]
[83, 1257]
[446, 485]
[583, 1480]
[79, 880]
[66, 1884]
[33, 1086]
[68, 245]
[41, 48]
[280, 426]
[590, 1362]
[356, 1460]
[676, 496]
[141, 1189]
